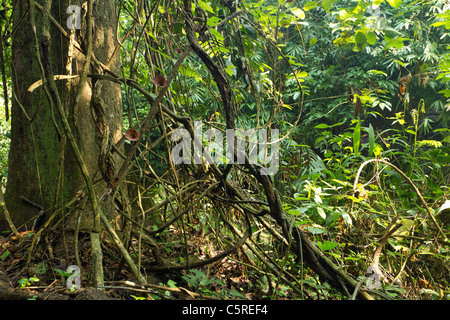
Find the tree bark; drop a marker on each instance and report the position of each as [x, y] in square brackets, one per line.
[42, 165]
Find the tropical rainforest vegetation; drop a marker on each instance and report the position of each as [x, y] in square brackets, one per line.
[357, 91]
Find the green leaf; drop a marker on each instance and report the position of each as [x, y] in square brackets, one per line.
[315, 230]
[267, 66]
[259, 4]
[318, 199]
[400, 63]
[344, 183]
[299, 13]
[446, 92]
[217, 34]
[344, 15]
[328, 154]
[328, 4]
[395, 3]
[231, 70]
[346, 218]
[62, 273]
[321, 213]
[371, 37]
[373, 71]
[322, 126]
[237, 294]
[360, 37]
[313, 41]
[396, 42]
[294, 212]
[442, 23]
[371, 139]
[327, 245]
[205, 6]
[310, 5]
[5, 254]
[213, 21]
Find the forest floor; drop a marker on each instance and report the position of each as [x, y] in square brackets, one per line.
[37, 267]
[39, 271]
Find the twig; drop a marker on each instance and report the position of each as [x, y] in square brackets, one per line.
[6, 212]
[34, 204]
[230, 17]
[51, 284]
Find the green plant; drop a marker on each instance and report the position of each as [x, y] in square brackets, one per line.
[5, 255]
[199, 281]
[62, 273]
[26, 282]
[66, 275]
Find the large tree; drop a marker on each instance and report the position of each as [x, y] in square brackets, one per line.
[64, 122]
[43, 166]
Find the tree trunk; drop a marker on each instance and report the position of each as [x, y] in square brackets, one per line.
[42, 165]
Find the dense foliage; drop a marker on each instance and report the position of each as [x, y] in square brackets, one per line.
[359, 91]
[367, 81]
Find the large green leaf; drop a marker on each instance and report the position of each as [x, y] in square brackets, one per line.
[396, 42]
[395, 3]
[205, 6]
[299, 13]
[310, 5]
[371, 37]
[360, 37]
[371, 139]
[213, 21]
[327, 245]
[315, 230]
[328, 4]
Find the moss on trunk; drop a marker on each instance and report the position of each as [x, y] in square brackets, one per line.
[36, 171]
